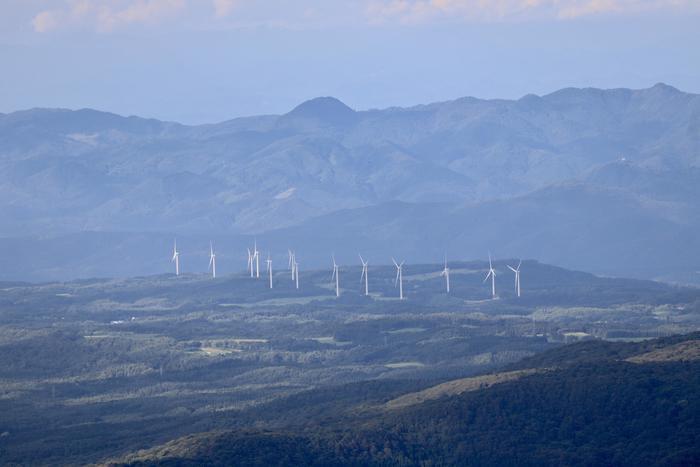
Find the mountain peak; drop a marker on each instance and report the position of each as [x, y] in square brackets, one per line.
[665, 87]
[324, 109]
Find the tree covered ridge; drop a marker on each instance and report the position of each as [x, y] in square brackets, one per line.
[593, 408]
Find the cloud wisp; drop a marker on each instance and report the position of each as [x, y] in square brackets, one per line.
[112, 15]
[105, 15]
[425, 11]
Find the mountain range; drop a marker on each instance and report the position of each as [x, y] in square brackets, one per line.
[602, 180]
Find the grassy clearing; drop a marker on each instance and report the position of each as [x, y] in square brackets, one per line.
[330, 340]
[406, 331]
[399, 365]
[455, 387]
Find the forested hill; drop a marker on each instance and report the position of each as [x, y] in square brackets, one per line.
[592, 403]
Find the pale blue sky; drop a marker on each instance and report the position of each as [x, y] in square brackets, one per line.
[199, 61]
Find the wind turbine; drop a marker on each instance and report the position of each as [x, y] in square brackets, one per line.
[517, 276]
[269, 268]
[336, 276]
[292, 261]
[256, 257]
[364, 274]
[446, 273]
[176, 259]
[492, 275]
[399, 277]
[296, 272]
[250, 262]
[212, 260]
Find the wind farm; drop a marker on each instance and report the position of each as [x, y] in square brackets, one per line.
[293, 268]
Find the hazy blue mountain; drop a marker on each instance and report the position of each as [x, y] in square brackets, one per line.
[605, 180]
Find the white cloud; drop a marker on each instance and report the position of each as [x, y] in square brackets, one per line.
[420, 11]
[105, 15]
[223, 8]
[111, 15]
[45, 21]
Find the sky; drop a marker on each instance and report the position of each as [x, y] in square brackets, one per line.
[204, 61]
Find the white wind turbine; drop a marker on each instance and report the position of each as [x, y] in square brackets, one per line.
[446, 273]
[492, 275]
[212, 260]
[296, 272]
[517, 276]
[364, 274]
[336, 276]
[256, 257]
[176, 258]
[292, 261]
[399, 277]
[269, 268]
[250, 263]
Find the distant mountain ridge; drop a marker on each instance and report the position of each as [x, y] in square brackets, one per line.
[550, 167]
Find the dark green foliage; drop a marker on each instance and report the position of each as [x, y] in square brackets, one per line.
[597, 410]
[598, 414]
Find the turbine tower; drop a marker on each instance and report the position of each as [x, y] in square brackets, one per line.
[336, 276]
[269, 268]
[517, 277]
[296, 272]
[250, 263]
[399, 277]
[176, 258]
[256, 255]
[212, 260]
[364, 275]
[446, 273]
[291, 263]
[492, 275]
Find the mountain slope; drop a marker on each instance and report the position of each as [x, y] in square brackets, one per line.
[590, 408]
[488, 164]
